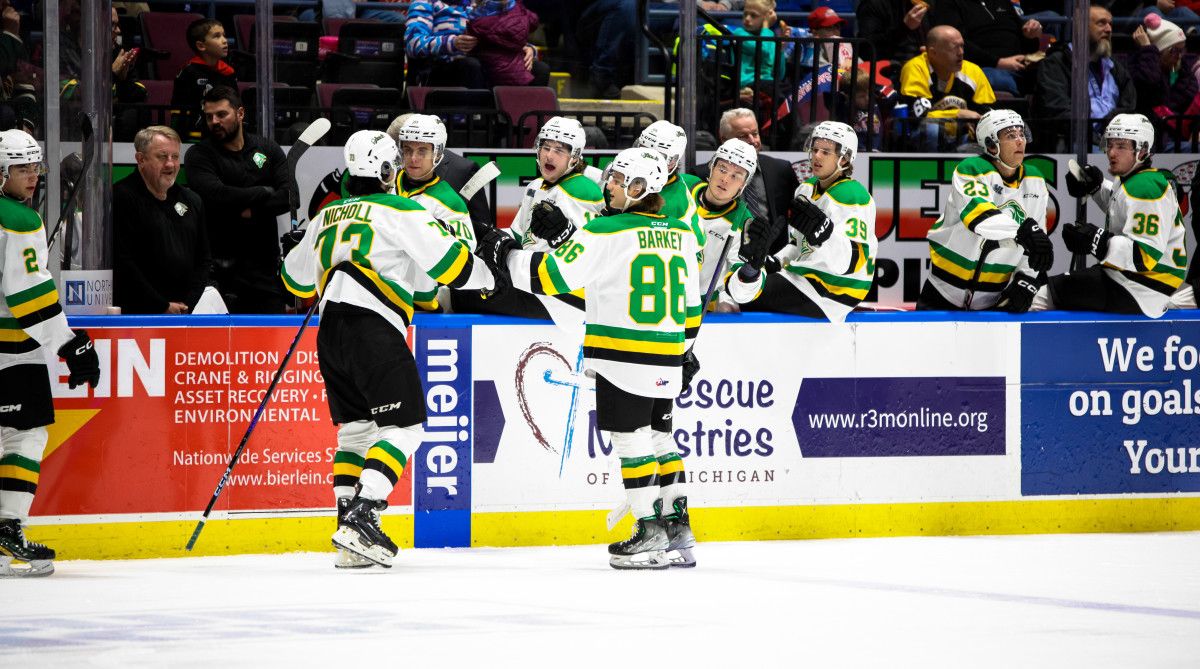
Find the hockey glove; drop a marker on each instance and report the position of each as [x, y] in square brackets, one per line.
[1018, 295]
[82, 360]
[1036, 244]
[690, 366]
[772, 265]
[1088, 181]
[493, 249]
[549, 223]
[290, 240]
[756, 239]
[810, 221]
[1086, 238]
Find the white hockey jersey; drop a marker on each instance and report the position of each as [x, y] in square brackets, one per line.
[838, 274]
[713, 227]
[440, 199]
[30, 315]
[361, 250]
[643, 303]
[1147, 254]
[972, 245]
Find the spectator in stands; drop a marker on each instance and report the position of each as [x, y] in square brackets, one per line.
[503, 28]
[896, 28]
[826, 24]
[19, 89]
[1163, 73]
[206, 70]
[1110, 88]
[604, 30]
[245, 183]
[160, 243]
[758, 57]
[940, 86]
[1178, 11]
[996, 36]
[126, 87]
[768, 194]
[445, 47]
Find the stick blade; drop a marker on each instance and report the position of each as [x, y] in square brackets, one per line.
[315, 131]
[195, 535]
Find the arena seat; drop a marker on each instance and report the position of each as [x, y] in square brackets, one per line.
[516, 101]
[167, 32]
[374, 51]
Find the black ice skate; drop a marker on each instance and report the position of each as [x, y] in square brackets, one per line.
[359, 532]
[14, 547]
[646, 549]
[348, 559]
[679, 533]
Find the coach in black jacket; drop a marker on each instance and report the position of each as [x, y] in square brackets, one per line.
[769, 192]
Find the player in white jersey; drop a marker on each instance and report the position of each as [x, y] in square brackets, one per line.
[828, 265]
[643, 308]
[1143, 260]
[720, 213]
[988, 249]
[356, 254]
[31, 321]
[671, 141]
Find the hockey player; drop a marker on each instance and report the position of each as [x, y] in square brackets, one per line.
[720, 212]
[671, 141]
[988, 249]
[829, 263]
[1140, 247]
[356, 254]
[643, 307]
[30, 319]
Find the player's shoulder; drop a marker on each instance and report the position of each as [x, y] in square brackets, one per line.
[444, 193]
[16, 217]
[976, 166]
[1149, 184]
[387, 200]
[849, 192]
[1033, 172]
[579, 187]
[690, 181]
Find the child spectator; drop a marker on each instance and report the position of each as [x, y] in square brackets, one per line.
[206, 70]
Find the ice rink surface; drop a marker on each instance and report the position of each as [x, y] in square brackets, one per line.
[1090, 601]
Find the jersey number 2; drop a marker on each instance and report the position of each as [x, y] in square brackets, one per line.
[656, 288]
[31, 266]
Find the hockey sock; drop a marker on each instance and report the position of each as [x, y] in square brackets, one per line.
[354, 440]
[670, 471]
[20, 466]
[639, 469]
[386, 460]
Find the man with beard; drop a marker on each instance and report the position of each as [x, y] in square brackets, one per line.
[1110, 88]
[245, 184]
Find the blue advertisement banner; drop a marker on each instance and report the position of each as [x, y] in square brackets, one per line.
[891, 417]
[442, 466]
[1110, 407]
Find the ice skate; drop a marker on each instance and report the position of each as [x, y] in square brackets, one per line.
[646, 549]
[359, 532]
[679, 533]
[347, 559]
[38, 560]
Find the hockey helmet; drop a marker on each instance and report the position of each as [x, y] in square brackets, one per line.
[18, 147]
[1134, 127]
[667, 138]
[370, 153]
[843, 137]
[568, 131]
[428, 129]
[991, 124]
[645, 166]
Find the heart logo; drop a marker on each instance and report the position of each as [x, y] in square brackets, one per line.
[538, 354]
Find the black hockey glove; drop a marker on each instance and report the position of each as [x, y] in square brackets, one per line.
[810, 221]
[82, 360]
[549, 223]
[493, 249]
[772, 265]
[756, 239]
[290, 240]
[1090, 183]
[1037, 245]
[1018, 295]
[1086, 238]
[690, 366]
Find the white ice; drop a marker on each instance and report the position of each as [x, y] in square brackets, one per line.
[1030, 601]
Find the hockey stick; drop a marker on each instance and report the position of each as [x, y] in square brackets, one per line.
[250, 428]
[311, 135]
[68, 205]
[482, 177]
[1078, 260]
[618, 513]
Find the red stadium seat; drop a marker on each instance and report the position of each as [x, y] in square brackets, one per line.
[517, 100]
[167, 32]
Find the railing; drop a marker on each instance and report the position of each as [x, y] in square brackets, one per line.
[621, 128]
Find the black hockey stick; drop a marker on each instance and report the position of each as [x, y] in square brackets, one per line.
[311, 135]
[68, 205]
[1078, 260]
[250, 428]
[712, 286]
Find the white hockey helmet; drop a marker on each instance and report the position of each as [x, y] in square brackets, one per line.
[428, 129]
[370, 153]
[1134, 127]
[991, 124]
[646, 166]
[18, 147]
[737, 153]
[667, 138]
[568, 131]
[843, 137]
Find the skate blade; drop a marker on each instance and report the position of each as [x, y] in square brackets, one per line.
[32, 569]
[350, 540]
[682, 558]
[647, 560]
[348, 560]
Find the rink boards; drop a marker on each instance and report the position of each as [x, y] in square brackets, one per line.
[891, 424]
